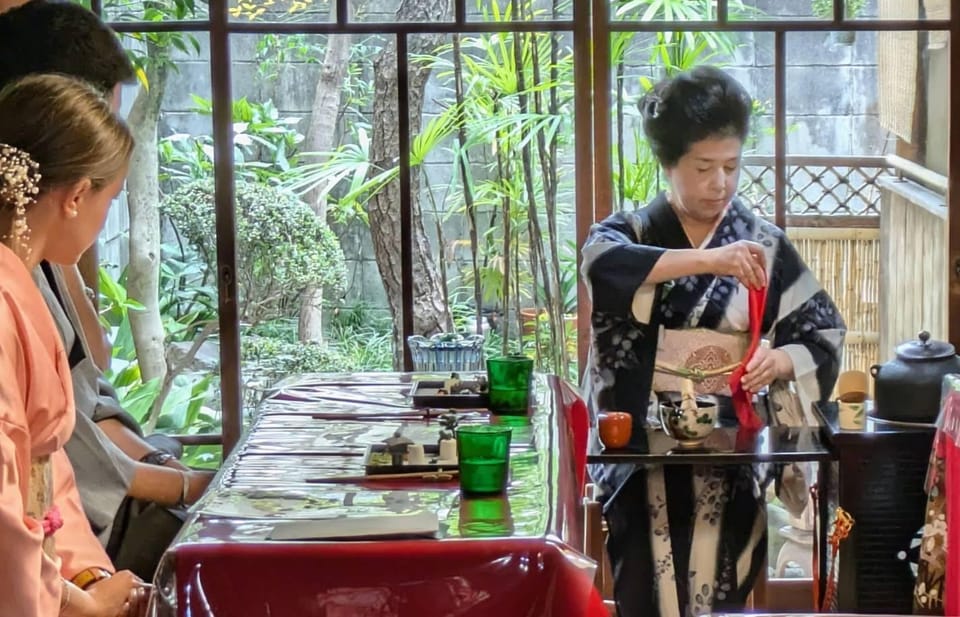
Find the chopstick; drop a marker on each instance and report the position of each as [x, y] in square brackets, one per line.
[368, 417]
[436, 476]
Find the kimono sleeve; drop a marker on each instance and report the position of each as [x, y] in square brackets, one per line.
[29, 582]
[808, 326]
[616, 266]
[77, 546]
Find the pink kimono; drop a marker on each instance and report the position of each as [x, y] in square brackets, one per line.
[36, 418]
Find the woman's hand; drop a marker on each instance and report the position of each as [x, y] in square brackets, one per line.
[742, 259]
[121, 595]
[199, 481]
[764, 367]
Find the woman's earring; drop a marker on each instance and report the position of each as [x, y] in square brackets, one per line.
[72, 214]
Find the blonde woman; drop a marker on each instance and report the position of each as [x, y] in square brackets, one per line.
[63, 158]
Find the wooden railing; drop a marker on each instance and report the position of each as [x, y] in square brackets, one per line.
[842, 188]
[873, 230]
[833, 219]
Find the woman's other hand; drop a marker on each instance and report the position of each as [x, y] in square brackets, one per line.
[742, 259]
[121, 595]
[766, 366]
[199, 481]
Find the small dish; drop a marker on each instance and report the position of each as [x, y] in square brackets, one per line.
[378, 460]
[426, 393]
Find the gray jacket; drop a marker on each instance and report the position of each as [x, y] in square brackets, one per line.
[102, 470]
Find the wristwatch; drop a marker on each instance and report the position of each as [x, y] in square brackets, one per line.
[157, 457]
[88, 577]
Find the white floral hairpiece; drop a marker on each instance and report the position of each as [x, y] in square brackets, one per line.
[19, 177]
[19, 187]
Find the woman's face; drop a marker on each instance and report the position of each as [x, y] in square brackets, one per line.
[705, 179]
[81, 219]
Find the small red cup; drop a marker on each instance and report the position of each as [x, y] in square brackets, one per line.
[615, 428]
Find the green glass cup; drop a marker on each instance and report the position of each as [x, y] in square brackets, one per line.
[509, 384]
[483, 451]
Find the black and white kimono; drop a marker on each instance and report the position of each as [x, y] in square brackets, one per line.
[685, 540]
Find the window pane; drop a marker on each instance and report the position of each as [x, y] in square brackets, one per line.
[895, 9]
[312, 297]
[513, 162]
[401, 11]
[668, 10]
[524, 10]
[143, 10]
[637, 65]
[835, 145]
[777, 10]
[180, 296]
[894, 100]
[283, 11]
[343, 149]
[823, 9]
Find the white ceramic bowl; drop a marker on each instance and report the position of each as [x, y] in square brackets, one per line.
[689, 427]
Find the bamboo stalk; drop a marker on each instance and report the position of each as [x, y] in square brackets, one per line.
[548, 165]
[534, 233]
[503, 170]
[465, 176]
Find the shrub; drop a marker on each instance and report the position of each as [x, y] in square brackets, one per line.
[282, 247]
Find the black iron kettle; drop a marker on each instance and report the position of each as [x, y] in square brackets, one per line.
[907, 388]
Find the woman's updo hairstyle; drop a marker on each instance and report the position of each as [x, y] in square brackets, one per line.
[695, 105]
[54, 131]
[67, 127]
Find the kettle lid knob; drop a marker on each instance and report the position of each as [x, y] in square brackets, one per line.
[926, 348]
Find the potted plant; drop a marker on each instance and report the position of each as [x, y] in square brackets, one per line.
[824, 10]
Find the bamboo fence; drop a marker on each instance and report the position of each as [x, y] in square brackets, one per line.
[847, 264]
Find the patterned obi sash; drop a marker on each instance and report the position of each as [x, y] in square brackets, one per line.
[40, 504]
[706, 357]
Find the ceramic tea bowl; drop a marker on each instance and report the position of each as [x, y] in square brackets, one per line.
[690, 427]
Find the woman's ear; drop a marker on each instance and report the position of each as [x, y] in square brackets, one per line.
[668, 173]
[74, 196]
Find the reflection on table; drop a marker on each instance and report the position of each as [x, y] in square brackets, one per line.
[723, 446]
[511, 554]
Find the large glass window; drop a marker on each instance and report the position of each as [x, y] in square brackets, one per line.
[318, 180]
[349, 136]
[410, 168]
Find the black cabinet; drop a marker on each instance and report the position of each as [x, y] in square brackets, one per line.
[878, 478]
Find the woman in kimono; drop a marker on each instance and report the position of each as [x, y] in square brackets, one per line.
[63, 158]
[686, 540]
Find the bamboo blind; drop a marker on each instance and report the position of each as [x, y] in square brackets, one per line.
[846, 262]
[914, 266]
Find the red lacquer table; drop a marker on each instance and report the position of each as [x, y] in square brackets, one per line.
[520, 560]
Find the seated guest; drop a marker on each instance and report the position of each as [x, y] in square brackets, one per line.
[63, 157]
[133, 493]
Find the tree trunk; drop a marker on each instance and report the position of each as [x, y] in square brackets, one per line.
[321, 136]
[430, 315]
[143, 201]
